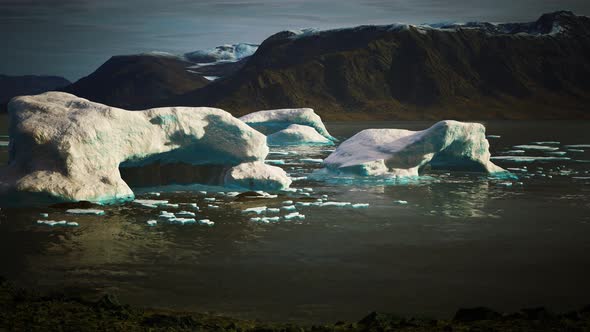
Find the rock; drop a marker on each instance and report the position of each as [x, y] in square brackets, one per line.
[475, 314]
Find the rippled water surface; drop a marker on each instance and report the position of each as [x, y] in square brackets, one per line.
[461, 240]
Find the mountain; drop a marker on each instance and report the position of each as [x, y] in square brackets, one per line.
[138, 81]
[12, 86]
[146, 80]
[536, 70]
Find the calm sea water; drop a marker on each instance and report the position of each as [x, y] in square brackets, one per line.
[461, 240]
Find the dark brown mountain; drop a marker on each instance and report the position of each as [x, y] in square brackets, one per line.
[536, 70]
[12, 86]
[138, 81]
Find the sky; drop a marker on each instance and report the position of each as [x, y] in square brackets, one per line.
[72, 38]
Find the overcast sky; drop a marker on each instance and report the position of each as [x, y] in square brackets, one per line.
[71, 38]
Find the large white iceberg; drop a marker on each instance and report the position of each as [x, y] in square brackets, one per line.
[448, 145]
[67, 148]
[278, 124]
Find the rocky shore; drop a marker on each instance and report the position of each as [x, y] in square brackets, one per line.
[28, 310]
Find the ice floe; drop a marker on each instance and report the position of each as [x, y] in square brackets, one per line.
[535, 147]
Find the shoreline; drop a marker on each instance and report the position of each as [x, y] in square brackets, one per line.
[29, 310]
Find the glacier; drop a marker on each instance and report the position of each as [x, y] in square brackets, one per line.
[290, 126]
[447, 145]
[67, 149]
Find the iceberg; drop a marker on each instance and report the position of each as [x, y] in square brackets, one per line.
[185, 214]
[206, 222]
[399, 201]
[66, 149]
[257, 210]
[272, 122]
[447, 145]
[288, 208]
[294, 215]
[297, 135]
[360, 205]
[152, 223]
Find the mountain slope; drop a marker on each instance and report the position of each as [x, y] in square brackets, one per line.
[138, 81]
[471, 71]
[12, 86]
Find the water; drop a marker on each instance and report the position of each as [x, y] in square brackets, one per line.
[461, 240]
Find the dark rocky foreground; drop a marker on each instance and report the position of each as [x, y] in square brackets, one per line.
[22, 310]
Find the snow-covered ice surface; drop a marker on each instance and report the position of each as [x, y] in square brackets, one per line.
[227, 53]
[70, 149]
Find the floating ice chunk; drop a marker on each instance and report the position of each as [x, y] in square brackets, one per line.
[527, 159]
[52, 222]
[211, 206]
[546, 143]
[182, 221]
[324, 196]
[206, 222]
[152, 223]
[556, 153]
[185, 214]
[517, 169]
[513, 152]
[297, 135]
[294, 215]
[72, 224]
[399, 201]
[271, 219]
[299, 178]
[447, 145]
[86, 211]
[154, 194]
[536, 147]
[203, 192]
[311, 160]
[289, 190]
[209, 199]
[166, 215]
[493, 136]
[581, 177]
[257, 175]
[575, 146]
[504, 184]
[303, 203]
[275, 162]
[273, 210]
[289, 208]
[171, 205]
[575, 150]
[257, 210]
[308, 189]
[4, 143]
[44, 215]
[360, 205]
[280, 153]
[232, 194]
[151, 203]
[193, 205]
[337, 204]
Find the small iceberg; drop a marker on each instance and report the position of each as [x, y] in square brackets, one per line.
[399, 201]
[546, 143]
[53, 223]
[206, 222]
[493, 136]
[257, 210]
[185, 214]
[360, 205]
[44, 215]
[86, 211]
[294, 215]
[297, 135]
[152, 223]
[337, 204]
[275, 162]
[311, 160]
[536, 147]
[289, 208]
